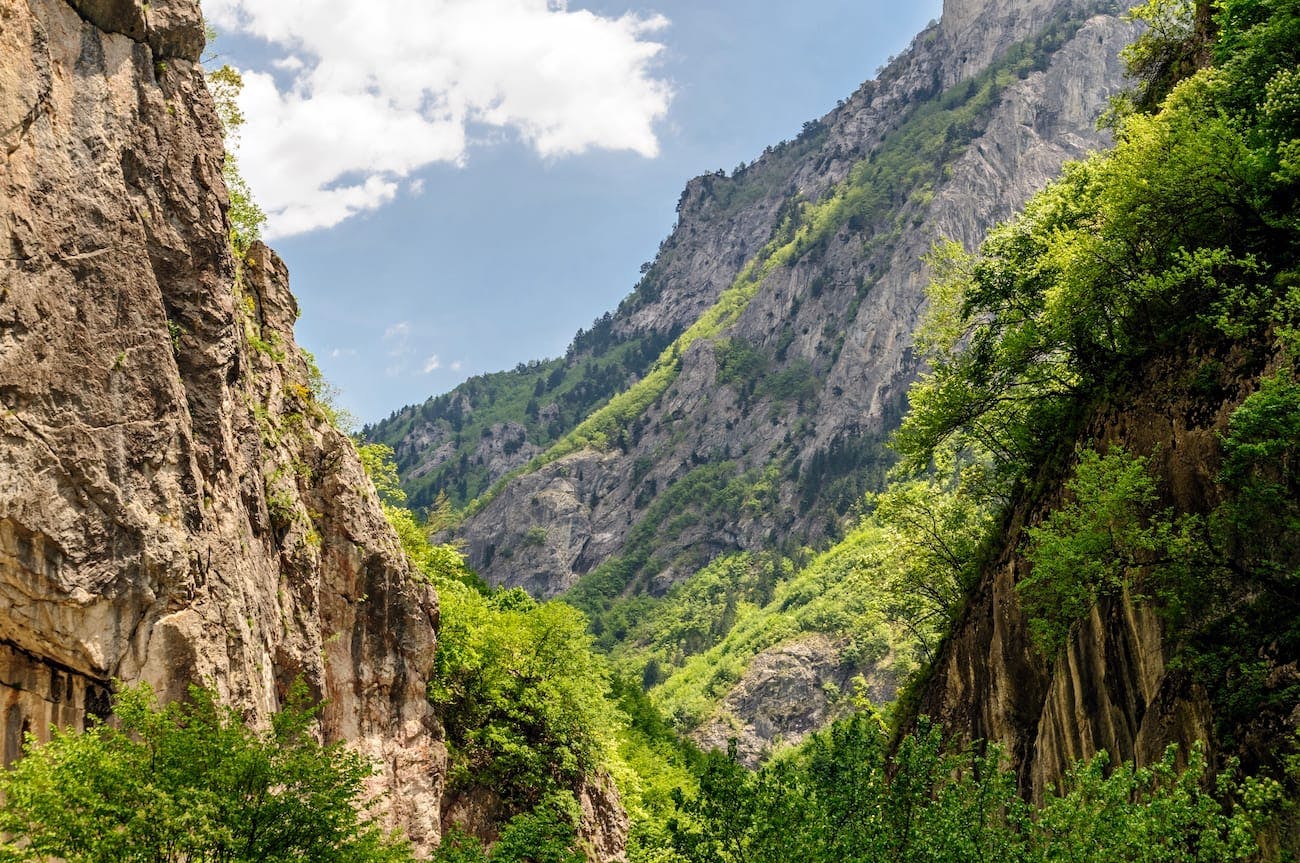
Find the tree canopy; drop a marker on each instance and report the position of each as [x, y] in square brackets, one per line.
[191, 782]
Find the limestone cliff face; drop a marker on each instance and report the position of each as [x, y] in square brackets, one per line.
[835, 322]
[174, 506]
[1114, 688]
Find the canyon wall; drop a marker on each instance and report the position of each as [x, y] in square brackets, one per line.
[175, 505]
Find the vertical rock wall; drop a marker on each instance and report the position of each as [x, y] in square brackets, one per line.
[1114, 687]
[174, 504]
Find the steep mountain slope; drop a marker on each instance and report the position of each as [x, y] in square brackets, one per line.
[791, 289]
[175, 506]
[1114, 688]
[1125, 352]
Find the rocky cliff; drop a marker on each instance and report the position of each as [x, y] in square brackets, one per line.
[787, 403]
[1120, 686]
[175, 506]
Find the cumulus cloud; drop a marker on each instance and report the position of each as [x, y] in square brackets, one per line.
[363, 94]
[432, 364]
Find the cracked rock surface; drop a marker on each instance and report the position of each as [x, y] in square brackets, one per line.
[174, 506]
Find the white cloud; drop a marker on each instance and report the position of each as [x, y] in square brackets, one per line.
[398, 333]
[378, 89]
[456, 366]
[432, 364]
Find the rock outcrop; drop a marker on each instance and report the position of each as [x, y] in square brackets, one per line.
[1114, 688]
[790, 691]
[175, 506]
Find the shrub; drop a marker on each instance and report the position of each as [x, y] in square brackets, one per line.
[191, 782]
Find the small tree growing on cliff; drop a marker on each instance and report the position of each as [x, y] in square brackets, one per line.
[190, 782]
[246, 217]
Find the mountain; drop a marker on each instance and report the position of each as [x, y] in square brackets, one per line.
[1087, 555]
[739, 400]
[747, 385]
[1125, 356]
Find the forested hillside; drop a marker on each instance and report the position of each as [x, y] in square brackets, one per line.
[1082, 572]
[1087, 550]
[749, 381]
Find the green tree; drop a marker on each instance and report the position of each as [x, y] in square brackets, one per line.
[191, 783]
[1183, 232]
[1157, 813]
[521, 692]
[845, 797]
[1100, 542]
[932, 531]
[1172, 47]
[246, 218]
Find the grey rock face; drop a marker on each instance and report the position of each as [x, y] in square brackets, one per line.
[1115, 687]
[841, 317]
[788, 692]
[174, 508]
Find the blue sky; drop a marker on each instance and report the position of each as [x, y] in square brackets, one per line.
[458, 185]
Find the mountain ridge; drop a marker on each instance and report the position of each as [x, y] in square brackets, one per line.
[796, 329]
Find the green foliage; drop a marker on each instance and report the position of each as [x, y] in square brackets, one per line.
[844, 796]
[545, 834]
[246, 218]
[714, 494]
[1168, 50]
[437, 563]
[190, 782]
[1262, 466]
[698, 613]
[739, 362]
[1240, 620]
[657, 766]
[545, 399]
[887, 592]
[521, 693]
[1098, 543]
[527, 706]
[1183, 237]
[377, 460]
[1155, 813]
[1172, 236]
[323, 396]
[933, 531]
[794, 383]
[851, 465]
[842, 592]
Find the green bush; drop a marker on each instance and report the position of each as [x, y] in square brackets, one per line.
[546, 834]
[190, 783]
[845, 796]
[521, 693]
[1097, 544]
